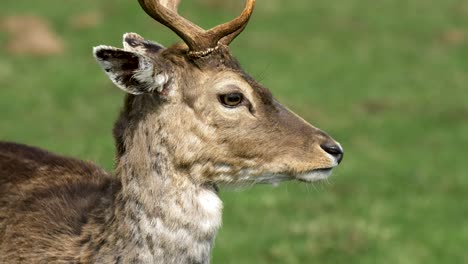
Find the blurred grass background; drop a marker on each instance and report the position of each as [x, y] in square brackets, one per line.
[386, 78]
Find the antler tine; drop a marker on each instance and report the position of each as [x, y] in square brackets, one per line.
[227, 32]
[201, 42]
[229, 38]
[165, 12]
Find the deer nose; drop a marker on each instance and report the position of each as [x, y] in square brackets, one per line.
[333, 149]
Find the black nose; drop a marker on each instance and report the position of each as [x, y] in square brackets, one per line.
[334, 150]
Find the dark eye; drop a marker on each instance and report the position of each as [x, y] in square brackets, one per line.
[231, 100]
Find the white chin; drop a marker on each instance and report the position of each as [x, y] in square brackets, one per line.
[314, 175]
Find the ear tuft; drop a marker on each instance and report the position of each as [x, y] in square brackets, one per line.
[130, 71]
[136, 43]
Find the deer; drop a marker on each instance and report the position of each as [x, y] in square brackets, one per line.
[192, 121]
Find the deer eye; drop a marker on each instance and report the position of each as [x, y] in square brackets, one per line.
[231, 99]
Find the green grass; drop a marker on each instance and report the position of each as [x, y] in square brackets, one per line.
[385, 78]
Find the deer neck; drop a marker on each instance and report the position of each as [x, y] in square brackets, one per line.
[170, 217]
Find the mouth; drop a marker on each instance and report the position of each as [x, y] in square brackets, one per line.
[314, 175]
[276, 178]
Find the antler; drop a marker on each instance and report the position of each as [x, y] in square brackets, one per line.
[201, 42]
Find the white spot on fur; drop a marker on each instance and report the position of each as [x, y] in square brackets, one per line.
[160, 80]
[209, 201]
[223, 168]
[315, 175]
[212, 207]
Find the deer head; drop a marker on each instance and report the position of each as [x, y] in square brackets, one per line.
[219, 125]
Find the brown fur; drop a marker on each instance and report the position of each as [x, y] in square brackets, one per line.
[45, 199]
[173, 146]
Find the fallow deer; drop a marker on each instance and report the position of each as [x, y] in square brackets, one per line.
[192, 120]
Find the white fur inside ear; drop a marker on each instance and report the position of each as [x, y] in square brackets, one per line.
[142, 79]
[147, 76]
[160, 81]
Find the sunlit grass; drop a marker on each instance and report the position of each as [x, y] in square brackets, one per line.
[385, 78]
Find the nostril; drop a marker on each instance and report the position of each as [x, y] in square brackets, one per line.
[333, 149]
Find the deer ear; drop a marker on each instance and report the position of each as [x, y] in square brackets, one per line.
[132, 72]
[136, 43]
